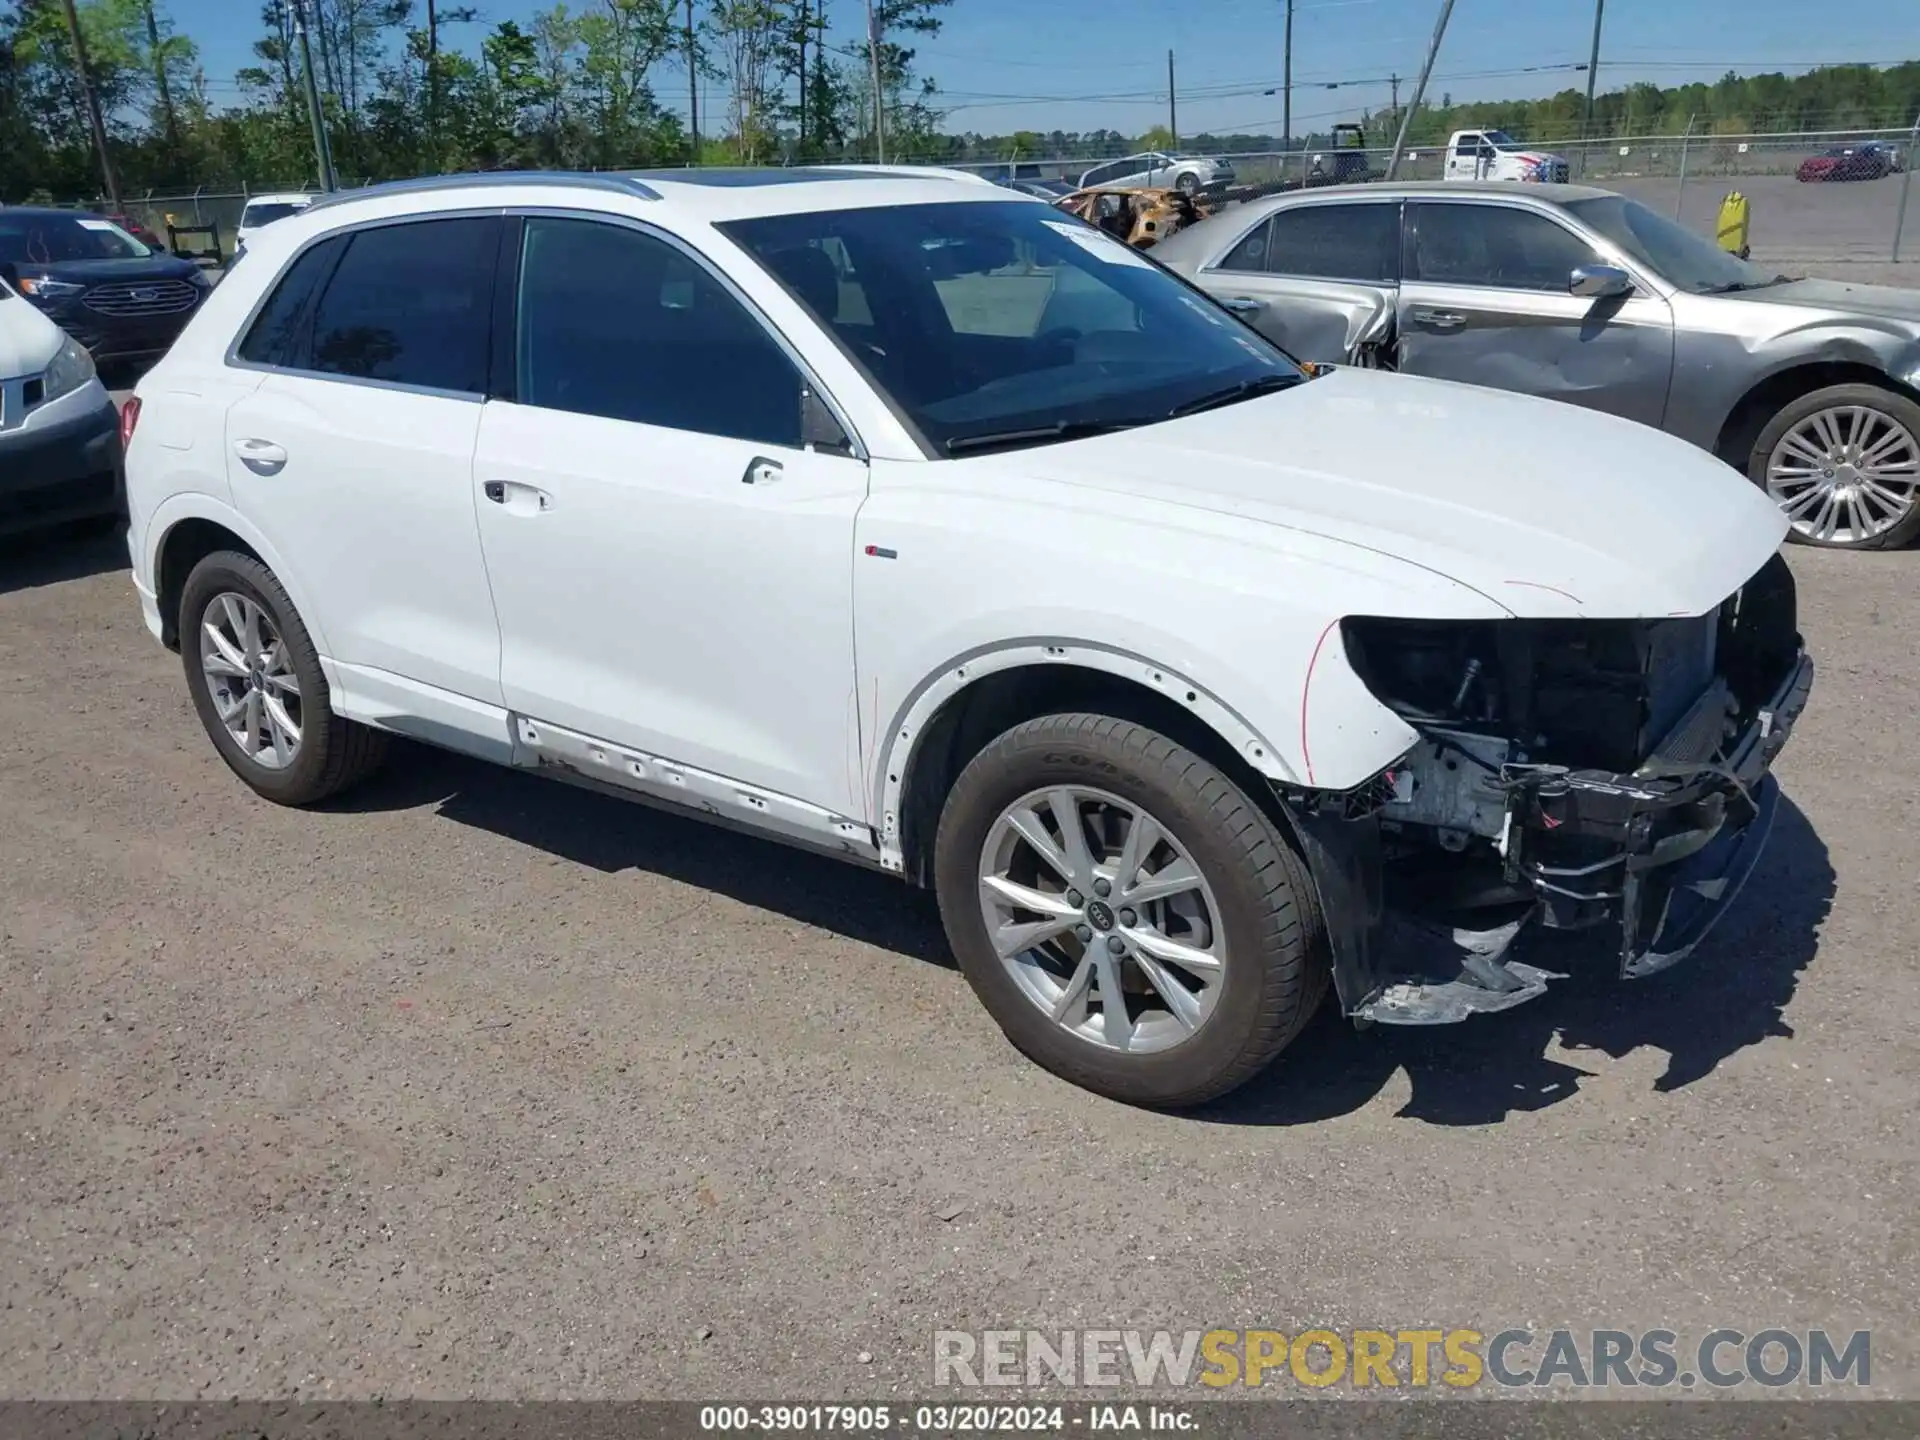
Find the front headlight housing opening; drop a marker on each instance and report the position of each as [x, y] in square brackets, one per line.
[71, 368]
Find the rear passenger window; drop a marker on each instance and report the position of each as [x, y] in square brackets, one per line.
[281, 330]
[411, 303]
[616, 323]
[1337, 242]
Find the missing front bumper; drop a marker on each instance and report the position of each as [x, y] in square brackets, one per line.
[1663, 851]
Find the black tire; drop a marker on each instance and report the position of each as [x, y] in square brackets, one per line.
[1275, 975]
[1188, 184]
[334, 753]
[1890, 403]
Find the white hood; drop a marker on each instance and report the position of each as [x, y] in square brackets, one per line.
[28, 340]
[1546, 508]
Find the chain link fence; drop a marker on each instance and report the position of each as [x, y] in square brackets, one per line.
[1866, 219]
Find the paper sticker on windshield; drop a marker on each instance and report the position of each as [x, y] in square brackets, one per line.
[106, 225]
[1098, 244]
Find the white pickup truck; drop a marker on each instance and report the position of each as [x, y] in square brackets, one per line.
[1496, 155]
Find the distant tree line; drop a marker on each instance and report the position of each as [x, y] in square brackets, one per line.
[417, 86]
[410, 87]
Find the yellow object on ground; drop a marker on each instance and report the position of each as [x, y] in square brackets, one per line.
[1734, 224]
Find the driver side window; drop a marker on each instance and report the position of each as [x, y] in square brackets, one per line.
[617, 323]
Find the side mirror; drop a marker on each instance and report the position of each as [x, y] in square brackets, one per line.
[819, 430]
[1599, 282]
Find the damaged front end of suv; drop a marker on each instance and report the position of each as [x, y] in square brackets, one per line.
[1568, 773]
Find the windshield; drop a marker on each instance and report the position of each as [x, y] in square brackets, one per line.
[263, 211]
[1006, 319]
[49, 239]
[1500, 140]
[1673, 252]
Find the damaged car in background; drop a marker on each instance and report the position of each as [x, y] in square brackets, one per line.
[1811, 388]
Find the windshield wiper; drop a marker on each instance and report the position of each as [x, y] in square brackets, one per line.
[1243, 390]
[1734, 286]
[1036, 435]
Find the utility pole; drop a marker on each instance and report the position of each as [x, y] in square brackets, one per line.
[803, 77]
[1395, 81]
[1173, 106]
[1286, 86]
[322, 155]
[1419, 88]
[879, 97]
[98, 125]
[1593, 68]
[693, 87]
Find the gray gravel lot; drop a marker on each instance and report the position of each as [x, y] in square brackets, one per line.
[481, 1085]
[1849, 221]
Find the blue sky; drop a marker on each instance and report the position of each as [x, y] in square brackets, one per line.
[1037, 64]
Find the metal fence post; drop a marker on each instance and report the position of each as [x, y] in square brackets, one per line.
[1681, 198]
[1906, 184]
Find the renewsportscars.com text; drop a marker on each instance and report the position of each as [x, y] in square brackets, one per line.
[1456, 1358]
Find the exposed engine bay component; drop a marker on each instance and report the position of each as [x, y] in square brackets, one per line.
[1568, 773]
[1139, 215]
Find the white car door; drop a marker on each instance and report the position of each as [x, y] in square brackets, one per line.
[672, 569]
[354, 456]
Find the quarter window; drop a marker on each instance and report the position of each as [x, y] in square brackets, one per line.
[280, 333]
[616, 323]
[1251, 253]
[1494, 245]
[411, 303]
[1336, 242]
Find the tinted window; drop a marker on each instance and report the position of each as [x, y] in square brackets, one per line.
[1669, 249]
[1251, 252]
[1001, 322]
[51, 239]
[616, 323]
[411, 303]
[265, 212]
[1336, 242]
[282, 329]
[1494, 245]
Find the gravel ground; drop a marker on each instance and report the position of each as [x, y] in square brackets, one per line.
[1808, 225]
[482, 1085]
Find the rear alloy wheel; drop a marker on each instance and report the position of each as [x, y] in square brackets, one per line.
[1843, 464]
[256, 682]
[1133, 921]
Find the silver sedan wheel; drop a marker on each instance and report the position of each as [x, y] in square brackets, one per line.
[251, 678]
[1845, 475]
[1102, 918]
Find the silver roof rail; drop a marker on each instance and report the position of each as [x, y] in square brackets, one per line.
[425, 184]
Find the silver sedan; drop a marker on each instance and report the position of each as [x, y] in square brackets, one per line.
[1812, 387]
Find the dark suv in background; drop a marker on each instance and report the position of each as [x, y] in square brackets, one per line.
[122, 299]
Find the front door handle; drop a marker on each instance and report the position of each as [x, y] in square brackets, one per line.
[762, 471]
[263, 457]
[1440, 319]
[1243, 304]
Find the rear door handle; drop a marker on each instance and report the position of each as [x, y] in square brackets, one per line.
[515, 498]
[1243, 304]
[1440, 319]
[263, 457]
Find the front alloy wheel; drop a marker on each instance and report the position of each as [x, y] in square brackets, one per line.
[1134, 921]
[1103, 920]
[1843, 465]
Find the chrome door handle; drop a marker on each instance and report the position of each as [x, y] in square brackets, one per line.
[1243, 304]
[761, 471]
[263, 457]
[1440, 319]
